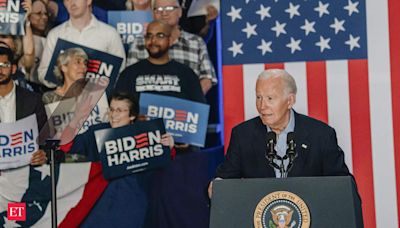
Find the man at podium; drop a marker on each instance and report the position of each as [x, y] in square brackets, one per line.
[281, 142]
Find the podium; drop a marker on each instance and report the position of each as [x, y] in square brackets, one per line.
[331, 202]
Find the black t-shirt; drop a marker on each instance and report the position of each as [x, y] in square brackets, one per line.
[170, 79]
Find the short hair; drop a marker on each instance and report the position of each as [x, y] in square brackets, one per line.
[131, 100]
[63, 59]
[17, 48]
[165, 25]
[5, 50]
[289, 82]
[153, 3]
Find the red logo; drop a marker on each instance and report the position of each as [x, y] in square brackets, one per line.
[16, 211]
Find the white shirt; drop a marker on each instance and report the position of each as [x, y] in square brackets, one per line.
[96, 35]
[8, 107]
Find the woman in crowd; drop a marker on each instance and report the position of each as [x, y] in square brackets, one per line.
[123, 110]
[70, 67]
[39, 23]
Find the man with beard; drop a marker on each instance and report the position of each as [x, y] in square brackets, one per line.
[158, 73]
[16, 102]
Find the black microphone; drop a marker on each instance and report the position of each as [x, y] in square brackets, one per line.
[291, 149]
[271, 142]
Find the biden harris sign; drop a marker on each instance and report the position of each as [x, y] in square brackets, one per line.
[18, 142]
[185, 120]
[133, 148]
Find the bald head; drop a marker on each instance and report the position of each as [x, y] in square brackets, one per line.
[166, 28]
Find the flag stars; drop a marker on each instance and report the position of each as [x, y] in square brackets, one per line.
[353, 42]
[265, 47]
[293, 10]
[279, 28]
[351, 7]
[294, 45]
[338, 25]
[236, 48]
[10, 223]
[44, 171]
[323, 43]
[264, 12]
[250, 30]
[322, 8]
[308, 26]
[234, 14]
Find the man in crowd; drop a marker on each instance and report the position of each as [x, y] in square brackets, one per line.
[317, 151]
[186, 48]
[84, 29]
[158, 73]
[16, 102]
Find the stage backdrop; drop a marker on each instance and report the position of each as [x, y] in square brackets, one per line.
[345, 57]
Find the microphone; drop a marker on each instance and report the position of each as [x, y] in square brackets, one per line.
[291, 149]
[271, 152]
[271, 142]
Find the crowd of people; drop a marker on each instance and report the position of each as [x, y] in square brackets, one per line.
[164, 49]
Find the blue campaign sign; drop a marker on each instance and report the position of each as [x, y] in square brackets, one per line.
[185, 120]
[12, 17]
[129, 24]
[100, 64]
[133, 148]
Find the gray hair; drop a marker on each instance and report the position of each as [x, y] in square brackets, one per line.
[289, 82]
[63, 59]
[153, 3]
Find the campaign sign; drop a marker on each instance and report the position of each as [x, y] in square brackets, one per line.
[185, 120]
[18, 142]
[133, 148]
[100, 64]
[62, 112]
[12, 17]
[129, 24]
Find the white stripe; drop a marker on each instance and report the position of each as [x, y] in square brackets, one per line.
[381, 114]
[299, 71]
[250, 74]
[70, 188]
[339, 105]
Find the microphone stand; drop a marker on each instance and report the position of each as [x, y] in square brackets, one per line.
[51, 146]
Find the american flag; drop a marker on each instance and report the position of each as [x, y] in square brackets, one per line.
[345, 57]
[79, 186]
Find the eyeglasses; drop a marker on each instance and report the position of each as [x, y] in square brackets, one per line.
[117, 110]
[5, 65]
[167, 9]
[160, 35]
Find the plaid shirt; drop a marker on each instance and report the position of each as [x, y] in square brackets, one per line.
[189, 49]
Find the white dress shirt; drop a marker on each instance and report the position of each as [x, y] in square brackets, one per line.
[8, 107]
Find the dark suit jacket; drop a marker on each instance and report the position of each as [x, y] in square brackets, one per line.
[27, 103]
[316, 147]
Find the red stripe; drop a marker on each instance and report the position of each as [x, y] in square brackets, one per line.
[233, 94]
[16, 134]
[316, 90]
[141, 136]
[93, 190]
[145, 144]
[361, 137]
[274, 66]
[394, 42]
[140, 140]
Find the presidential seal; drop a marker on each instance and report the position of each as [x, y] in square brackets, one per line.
[282, 209]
